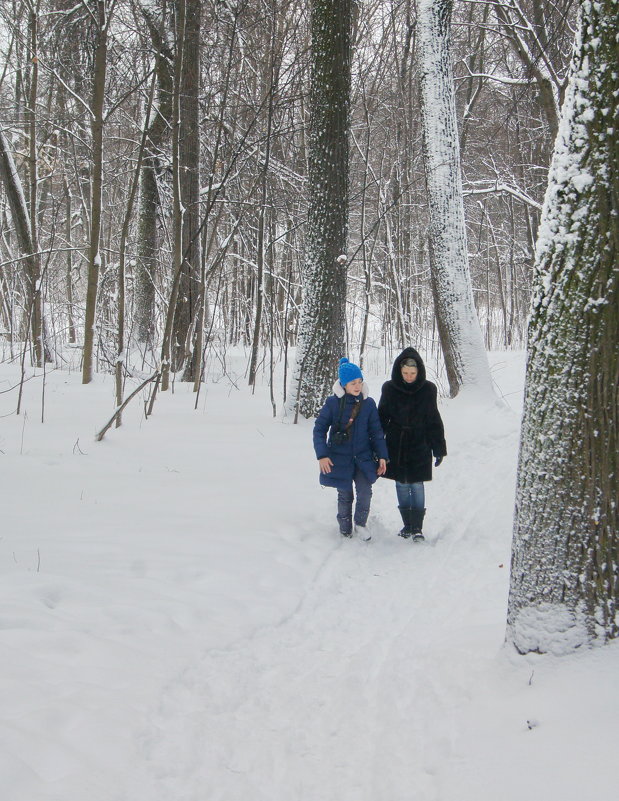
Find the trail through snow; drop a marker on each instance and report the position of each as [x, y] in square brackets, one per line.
[360, 683]
[181, 621]
[341, 688]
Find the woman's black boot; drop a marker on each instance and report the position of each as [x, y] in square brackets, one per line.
[413, 523]
[417, 516]
[405, 513]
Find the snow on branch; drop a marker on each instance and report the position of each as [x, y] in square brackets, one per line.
[499, 78]
[497, 188]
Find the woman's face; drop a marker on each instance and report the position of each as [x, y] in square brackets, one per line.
[409, 374]
[354, 387]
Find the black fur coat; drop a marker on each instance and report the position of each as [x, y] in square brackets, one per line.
[412, 423]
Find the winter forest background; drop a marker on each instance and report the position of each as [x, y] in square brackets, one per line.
[215, 199]
[97, 102]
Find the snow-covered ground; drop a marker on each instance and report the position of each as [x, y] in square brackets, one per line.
[180, 621]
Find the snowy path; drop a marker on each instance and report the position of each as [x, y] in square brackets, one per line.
[180, 621]
[352, 696]
[343, 688]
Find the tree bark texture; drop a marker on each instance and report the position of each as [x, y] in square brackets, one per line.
[150, 203]
[94, 253]
[565, 561]
[36, 295]
[177, 205]
[21, 221]
[189, 157]
[270, 81]
[459, 330]
[322, 322]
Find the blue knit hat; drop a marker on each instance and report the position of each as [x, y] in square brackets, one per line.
[348, 372]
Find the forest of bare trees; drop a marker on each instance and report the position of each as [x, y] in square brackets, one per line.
[154, 175]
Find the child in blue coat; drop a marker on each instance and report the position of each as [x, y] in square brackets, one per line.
[348, 440]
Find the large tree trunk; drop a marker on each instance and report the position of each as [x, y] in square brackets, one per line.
[322, 323]
[565, 561]
[458, 325]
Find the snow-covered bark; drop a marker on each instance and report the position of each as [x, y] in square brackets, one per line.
[322, 322]
[458, 324]
[564, 581]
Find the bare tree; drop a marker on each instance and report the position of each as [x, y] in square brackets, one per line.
[97, 110]
[187, 302]
[460, 333]
[177, 209]
[532, 34]
[36, 294]
[272, 68]
[153, 169]
[21, 220]
[245, 112]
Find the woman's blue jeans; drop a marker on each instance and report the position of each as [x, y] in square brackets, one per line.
[411, 496]
[362, 507]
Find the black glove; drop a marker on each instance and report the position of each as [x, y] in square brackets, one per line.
[437, 461]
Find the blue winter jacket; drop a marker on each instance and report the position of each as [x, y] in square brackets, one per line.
[365, 442]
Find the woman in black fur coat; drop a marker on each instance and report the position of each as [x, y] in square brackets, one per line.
[414, 432]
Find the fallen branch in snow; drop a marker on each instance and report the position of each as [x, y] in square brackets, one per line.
[119, 410]
[77, 447]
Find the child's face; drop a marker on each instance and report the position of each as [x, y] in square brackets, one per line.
[354, 387]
